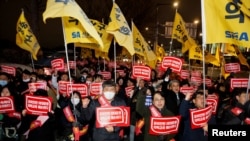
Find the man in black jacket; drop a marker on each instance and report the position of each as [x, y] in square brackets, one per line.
[88, 112]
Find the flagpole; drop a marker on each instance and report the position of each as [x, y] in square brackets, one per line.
[171, 42]
[203, 45]
[67, 60]
[75, 58]
[115, 60]
[32, 62]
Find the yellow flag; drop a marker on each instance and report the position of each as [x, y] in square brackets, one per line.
[69, 8]
[119, 27]
[226, 23]
[242, 5]
[137, 40]
[25, 38]
[181, 34]
[106, 38]
[101, 54]
[223, 73]
[229, 49]
[160, 52]
[211, 59]
[241, 57]
[86, 53]
[195, 53]
[150, 56]
[218, 54]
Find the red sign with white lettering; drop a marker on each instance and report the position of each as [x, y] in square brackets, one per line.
[34, 86]
[81, 88]
[62, 87]
[95, 89]
[58, 64]
[232, 67]
[186, 89]
[212, 100]
[6, 104]
[200, 116]
[9, 70]
[106, 75]
[143, 72]
[38, 105]
[128, 90]
[164, 125]
[185, 74]
[172, 62]
[239, 83]
[115, 116]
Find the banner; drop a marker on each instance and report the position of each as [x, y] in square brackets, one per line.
[38, 105]
[200, 116]
[232, 67]
[142, 72]
[34, 86]
[119, 27]
[6, 104]
[81, 88]
[232, 24]
[58, 64]
[115, 116]
[164, 125]
[8, 69]
[212, 100]
[95, 89]
[172, 62]
[238, 83]
[25, 38]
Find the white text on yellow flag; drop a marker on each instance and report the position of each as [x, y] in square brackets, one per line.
[181, 34]
[119, 27]
[138, 40]
[232, 26]
[25, 39]
[69, 8]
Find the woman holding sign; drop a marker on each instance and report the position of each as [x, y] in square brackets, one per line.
[156, 118]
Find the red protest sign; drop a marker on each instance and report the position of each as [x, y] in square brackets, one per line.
[208, 82]
[185, 74]
[200, 116]
[232, 67]
[212, 100]
[72, 64]
[239, 83]
[106, 75]
[6, 104]
[57, 64]
[186, 89]
[172, 62]
[81, 88]
[95, 89]
[62, 87]
[34, 86]
[8, 69]
[38, 105]
[116, 116]
[143, 72]
[196, 80]
[164, 125]
[128, 90]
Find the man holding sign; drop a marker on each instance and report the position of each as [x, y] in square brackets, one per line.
[105, 112]
[196, 117]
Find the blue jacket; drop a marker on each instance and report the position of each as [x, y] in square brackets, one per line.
[190, 134]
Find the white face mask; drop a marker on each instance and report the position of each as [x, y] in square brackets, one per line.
[26, 80]
[109, 95]
[75, 101]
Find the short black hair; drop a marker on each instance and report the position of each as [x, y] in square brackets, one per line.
[108, 83]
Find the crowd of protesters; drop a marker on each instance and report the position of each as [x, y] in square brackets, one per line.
[162, 92]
